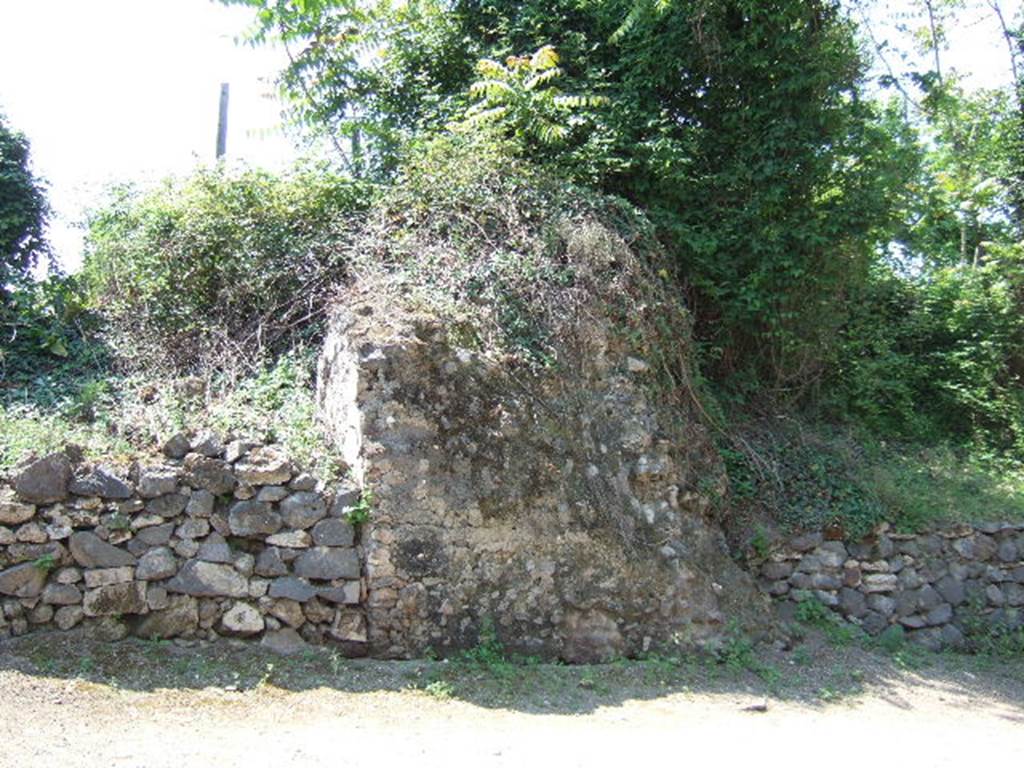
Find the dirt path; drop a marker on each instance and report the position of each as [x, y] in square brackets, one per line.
[366, 713]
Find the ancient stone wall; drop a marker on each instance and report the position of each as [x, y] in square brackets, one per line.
[569, 507]
[211, 539]
[933, 585]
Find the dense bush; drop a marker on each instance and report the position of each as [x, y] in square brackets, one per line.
[24, 210]
[218, 268]
[514, 258]
[938, 356]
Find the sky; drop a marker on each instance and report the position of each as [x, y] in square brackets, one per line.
[115, 90]
[119, 90]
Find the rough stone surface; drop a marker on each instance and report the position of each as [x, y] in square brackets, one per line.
[103, 577]
[45, 480]
[292, 588]
[242, 619]
[62, 594]
[932, 584]
[302, 510]
[333, 532]
[215, 550]
[90, 551]
[115, 599]
[25, 580]
[328, 563]
[578, 513]
[179, 617]
[156, 564]
[102, 482]
[253, 518]
[157, 481]
[207, 474]
[290, 539]
[13, 511]
[264, 465]
[203, 579]
[169, 505]
[285, 641]
[269, 563]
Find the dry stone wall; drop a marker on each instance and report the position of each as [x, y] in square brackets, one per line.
[212, 539]
[932, 585]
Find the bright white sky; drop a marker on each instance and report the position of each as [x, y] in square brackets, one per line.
[116, 90]
[112, 90]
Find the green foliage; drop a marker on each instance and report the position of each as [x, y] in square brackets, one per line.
[219, 268]
[986, 636]
[360, 513]
[939, 356]
[24, 211]
[522, 96]
[488, 652]
[114, 415]
[803, 476]
[46, 563]
[510, 257]
[814, 613]
[48, 329]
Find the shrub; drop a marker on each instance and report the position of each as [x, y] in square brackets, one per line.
[218, 268]
[514, 259]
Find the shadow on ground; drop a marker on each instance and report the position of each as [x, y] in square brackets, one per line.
[816, 673]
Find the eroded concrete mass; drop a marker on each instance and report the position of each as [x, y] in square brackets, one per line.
[566, 505]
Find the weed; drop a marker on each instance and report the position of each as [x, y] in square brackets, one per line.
[265, 678]
[359, 513]
[738, 655]
[488, 652]
[439, 689]
[45, 563]
[759, 544]
[814, 613]
[119, 522]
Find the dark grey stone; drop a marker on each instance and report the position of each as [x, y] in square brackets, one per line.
[171, 505]
[335, 532]
[62, 594]
[43, 481]
[180, 617]
[176, 446]
[303, 509]
[215, 549]
[155, 535]
[253, 519]
[203, 579]
[90, 551]
[25, 580]
[269, 563]
[940, 614]
[346, 498]
[852, 603]
[102, 482]
[882, 604]
[928, 597]
[292, 588]
[873, 623]
[156, 564]
[328, 563]
[951, 590]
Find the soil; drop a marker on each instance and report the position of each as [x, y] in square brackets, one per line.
[67, 701]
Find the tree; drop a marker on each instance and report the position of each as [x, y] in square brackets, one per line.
[24, 210]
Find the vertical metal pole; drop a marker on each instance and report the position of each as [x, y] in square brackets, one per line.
[222, 122]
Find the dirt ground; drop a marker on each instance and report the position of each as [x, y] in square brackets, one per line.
[66, 701]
